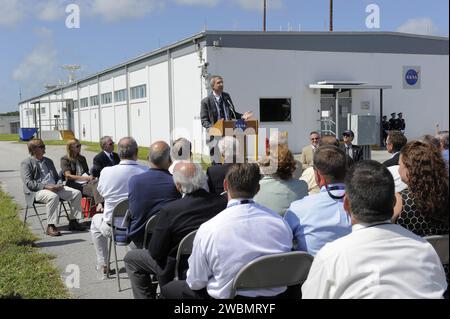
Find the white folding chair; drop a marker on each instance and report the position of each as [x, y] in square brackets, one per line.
[271, 271]
[440, 244]
[118, 235]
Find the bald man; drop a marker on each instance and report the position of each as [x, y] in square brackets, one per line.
[150, 191]
[176, 220]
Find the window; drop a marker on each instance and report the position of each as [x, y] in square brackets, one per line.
[75, 105]
[84, 102]
[138, 92]
[107, 98]
[43, 110]
[120, 96]
[94, 100]
[275, 110]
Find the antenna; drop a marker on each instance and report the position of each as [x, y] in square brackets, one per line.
[71, 68]
[265, 15]
[50, 87]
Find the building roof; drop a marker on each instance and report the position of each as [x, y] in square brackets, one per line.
[359, 42]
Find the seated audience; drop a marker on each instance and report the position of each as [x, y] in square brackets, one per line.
[394, 143]
[42, 183]
[181, 151]
[150, 191]
[113, 186]
[228, 147]
[320, 218]
[107, 157]
[425, 202]
[443, 143]
[430, 139]
[278, 189]
[308, 151]
[176, 220]
[76, 172]
[355, 152]
[281, 138]
[378, 259]
[230, 240]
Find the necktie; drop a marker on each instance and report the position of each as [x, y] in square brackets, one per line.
[111, 157]
[221, 109]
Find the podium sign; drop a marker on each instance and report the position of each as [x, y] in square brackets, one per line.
[234, 128]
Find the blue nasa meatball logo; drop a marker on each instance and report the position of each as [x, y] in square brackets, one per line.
[240, 124]
[411, 77]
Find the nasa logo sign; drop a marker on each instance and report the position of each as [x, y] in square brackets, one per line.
[411, 77]
[240, 124]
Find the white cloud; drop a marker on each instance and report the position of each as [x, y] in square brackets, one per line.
[50, 10]
[11, 12]
[258, 4]
[209, 3]
[39, 66]
[424, 26]
[112, 11]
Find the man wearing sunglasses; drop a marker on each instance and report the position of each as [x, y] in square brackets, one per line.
[43, 184]
[107, 157]
[308, 151]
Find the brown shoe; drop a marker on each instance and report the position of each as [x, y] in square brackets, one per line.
[75, 225]
[52, 231]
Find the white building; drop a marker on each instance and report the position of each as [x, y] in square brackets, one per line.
[277, 75]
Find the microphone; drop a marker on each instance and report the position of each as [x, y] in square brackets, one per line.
[232, 108]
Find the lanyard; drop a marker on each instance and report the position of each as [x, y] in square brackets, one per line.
[378, 224]
[334, 188]
[242, 202]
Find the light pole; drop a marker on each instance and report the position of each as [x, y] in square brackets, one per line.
[331, 15]
[264, 15]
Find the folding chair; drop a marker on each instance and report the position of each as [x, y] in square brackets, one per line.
[441, 245]
[149, 226]
[118, 235]
[184, 249]
[271, 271]
[62, 207]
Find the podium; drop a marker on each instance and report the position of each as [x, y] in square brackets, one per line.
[228, 128]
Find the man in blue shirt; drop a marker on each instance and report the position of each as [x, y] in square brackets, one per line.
[320, 218]
[150, 191]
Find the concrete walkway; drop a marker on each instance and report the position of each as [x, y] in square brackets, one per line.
[73, 248]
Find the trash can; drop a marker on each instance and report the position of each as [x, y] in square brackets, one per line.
[26, 134]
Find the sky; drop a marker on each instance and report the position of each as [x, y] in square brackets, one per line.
[35, 40]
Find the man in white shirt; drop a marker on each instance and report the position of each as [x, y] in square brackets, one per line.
[230, 240]
[378, 259]
[113, 186]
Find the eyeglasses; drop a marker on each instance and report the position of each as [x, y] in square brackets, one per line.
[111, 144]
[78, 145]
[41, 146]
[315, 139]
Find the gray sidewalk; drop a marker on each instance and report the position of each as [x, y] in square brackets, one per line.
[72, 248]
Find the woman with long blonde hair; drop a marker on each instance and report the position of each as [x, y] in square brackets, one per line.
[76, 172]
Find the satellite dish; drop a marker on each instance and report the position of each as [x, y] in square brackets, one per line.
[71, 68]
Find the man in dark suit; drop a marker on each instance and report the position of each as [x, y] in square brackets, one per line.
[228, 147]
[176, 220]
[401, 122]
[150, 191]
[218, 105]
[393, 122]
[394, 143]
[107, 157]
[353, 151]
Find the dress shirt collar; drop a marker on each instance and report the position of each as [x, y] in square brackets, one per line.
[128, 162]
[108, 154]
[216, 96]
[393, 155]
[333, 187]
[362, 225]
[236, 201]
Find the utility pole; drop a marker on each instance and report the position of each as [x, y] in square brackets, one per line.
[331, 15]
[265, 15]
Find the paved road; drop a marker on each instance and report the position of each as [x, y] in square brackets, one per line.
[71, 248]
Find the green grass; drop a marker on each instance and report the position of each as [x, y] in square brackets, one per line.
[9, 137]
[24, 271]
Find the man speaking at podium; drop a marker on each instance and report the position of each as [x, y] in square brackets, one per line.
[216, 106]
